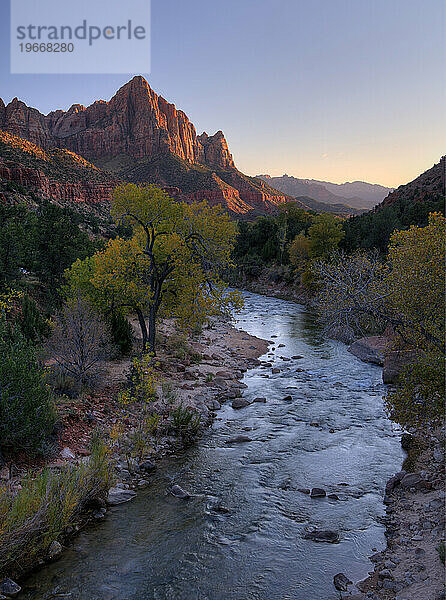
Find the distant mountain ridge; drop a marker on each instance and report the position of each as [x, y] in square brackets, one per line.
[356, 194]
[337, 209]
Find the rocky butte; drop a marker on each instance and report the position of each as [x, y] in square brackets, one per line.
[138, 136]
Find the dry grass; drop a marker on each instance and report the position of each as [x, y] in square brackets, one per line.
[47, 503]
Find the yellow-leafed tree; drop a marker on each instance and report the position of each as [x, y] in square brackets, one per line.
[171, 265]
[415, 283]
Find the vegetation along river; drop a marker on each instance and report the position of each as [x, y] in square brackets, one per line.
[333, 434]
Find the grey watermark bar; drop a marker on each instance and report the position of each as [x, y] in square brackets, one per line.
[86, 36]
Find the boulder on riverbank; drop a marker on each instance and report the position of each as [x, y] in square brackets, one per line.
[394, 362]
[370, 349]
[9, 588]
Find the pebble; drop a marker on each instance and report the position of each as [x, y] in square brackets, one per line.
[54, 551]
[67, 453]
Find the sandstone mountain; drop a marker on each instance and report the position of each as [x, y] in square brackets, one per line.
[29, 174]
[357, 194]
[138, 136]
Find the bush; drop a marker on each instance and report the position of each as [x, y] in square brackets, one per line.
[186, 423]
[39, 513]
[32, 324]
[79, 340]
[121, 332]
[27, 413]
[143, 380]
[62, 383]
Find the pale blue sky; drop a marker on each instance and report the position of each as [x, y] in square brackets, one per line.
[326, 89]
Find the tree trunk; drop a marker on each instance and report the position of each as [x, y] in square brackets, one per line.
[152, 329]
[143, 327]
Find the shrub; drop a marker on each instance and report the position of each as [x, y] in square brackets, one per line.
[32, 324]
[62, 383]
[143, 381]
[47, 503]
[27, 413]
[121, 332]
[185, 422]
[79, 340]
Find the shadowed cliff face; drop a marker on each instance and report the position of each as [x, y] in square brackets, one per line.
[430, 185]
[138, 136]
[135, 122]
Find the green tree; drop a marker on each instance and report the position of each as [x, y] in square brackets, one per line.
[299, 251]
[32, 324]
[325, 234]
[55, 242]
[414, 284]
[12, 237]
[27, 413]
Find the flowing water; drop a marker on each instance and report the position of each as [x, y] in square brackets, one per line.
[158, 547]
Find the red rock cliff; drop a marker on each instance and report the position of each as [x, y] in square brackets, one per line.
[136, 122]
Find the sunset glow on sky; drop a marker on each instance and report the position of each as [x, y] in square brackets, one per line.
[336, 90]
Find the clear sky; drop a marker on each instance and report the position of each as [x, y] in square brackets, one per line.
[336, 90]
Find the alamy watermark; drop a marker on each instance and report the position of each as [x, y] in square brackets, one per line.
[88, 36]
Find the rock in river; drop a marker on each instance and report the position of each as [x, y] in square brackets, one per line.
[119, 496]
[178, 492]
[238, 439]
[318, 493]
[322, 535]
[240, 403]
[147, 465]
[341, 582]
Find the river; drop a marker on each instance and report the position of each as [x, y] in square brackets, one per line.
[332, 434]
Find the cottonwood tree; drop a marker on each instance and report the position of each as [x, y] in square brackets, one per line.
[360, 293]
[170, 266]
[79, 340]
[324, 235]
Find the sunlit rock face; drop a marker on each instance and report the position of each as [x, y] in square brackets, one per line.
[140, 137]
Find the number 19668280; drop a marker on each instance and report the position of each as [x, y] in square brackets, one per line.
[46, 47]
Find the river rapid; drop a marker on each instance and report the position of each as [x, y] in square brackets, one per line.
[332, 434]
